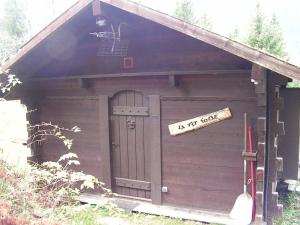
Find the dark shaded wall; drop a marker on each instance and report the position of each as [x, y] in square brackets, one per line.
[289, 144]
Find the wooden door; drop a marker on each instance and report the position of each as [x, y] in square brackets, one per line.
[131, 153]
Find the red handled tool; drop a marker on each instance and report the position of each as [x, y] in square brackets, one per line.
[252, 174]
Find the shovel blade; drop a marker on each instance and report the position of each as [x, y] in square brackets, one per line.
[241, 212]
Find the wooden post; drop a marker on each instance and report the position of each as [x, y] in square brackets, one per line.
[273, 208]
[267, 89]
[173, 81]
[155, 146]
[259, 76]
[104, 140]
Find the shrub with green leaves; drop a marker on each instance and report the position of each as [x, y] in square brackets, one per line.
[59, 182]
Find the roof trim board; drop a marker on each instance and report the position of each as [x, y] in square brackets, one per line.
[258, 57]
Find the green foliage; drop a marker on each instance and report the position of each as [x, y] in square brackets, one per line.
[234, 35]
[205, 22]
[266, 35]
[90, 215]
[24, 200]
[59, 182]
[291, 213]
[185, 11]
[14, 22]
[293, 84]
[13, 28]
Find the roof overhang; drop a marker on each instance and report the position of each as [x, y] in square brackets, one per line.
[255, 56]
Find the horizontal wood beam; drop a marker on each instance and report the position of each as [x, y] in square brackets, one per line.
[141, 74]
[207, 98]
[130, 111]
[136, 184]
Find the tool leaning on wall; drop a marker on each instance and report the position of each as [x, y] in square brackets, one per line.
[242, 211]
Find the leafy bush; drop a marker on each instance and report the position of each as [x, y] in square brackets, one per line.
[59, 182]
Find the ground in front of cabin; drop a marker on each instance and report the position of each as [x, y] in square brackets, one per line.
[22, 205]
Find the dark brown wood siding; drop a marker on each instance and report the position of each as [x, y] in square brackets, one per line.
[203, 168]
[70, 112]
[289, 145]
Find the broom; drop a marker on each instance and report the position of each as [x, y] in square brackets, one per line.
[241, 212]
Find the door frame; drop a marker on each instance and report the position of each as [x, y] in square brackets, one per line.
[154, 141]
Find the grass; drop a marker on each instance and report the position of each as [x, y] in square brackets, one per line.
[291, 210]
[109, 214]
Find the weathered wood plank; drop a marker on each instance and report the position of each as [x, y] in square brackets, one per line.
[155, 136]
[199, 122]
[259, 74]
[105, 140]
[140, 152]
[131, 134]
[133, 184]
[124, 144]
[147, 149]
[131, 110]
[115, 144]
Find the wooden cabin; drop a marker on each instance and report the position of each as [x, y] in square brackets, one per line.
[123, 73]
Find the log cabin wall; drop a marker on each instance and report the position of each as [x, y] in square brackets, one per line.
[202, 169]
[166, 76]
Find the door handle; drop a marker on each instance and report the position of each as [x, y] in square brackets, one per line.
[131, 122]
[114, 144]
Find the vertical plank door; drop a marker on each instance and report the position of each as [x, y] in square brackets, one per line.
[130, 152]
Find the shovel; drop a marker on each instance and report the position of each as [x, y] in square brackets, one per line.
[241, 212]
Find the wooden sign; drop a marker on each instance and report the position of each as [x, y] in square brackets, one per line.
[199, 122]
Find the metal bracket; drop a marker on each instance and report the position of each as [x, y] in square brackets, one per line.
[130, 111]
[131, 122]
[250, 156]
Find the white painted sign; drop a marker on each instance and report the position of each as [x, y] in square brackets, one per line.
[199, 122]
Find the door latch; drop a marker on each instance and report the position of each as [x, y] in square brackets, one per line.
[131, 122]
